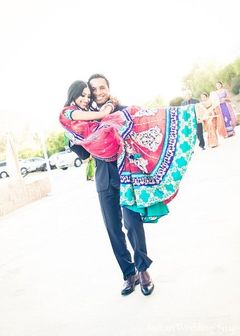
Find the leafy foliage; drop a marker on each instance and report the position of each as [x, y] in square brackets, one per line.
[2, 148]
[235, 85]
[155, 103]
[55, 143]
[203, 78]
[176, 101]
[27, 153]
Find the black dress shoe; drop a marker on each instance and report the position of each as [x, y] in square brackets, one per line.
[129, 284]
[146, 283]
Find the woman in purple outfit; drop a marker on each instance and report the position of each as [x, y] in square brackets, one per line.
[226, 108]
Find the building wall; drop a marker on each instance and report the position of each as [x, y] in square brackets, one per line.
[17, 193]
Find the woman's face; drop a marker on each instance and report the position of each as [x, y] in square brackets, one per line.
[83, 100]
[218, 85]
[203, 97]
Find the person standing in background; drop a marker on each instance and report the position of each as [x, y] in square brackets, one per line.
[229, 116]
[209, 113]
[188, 99]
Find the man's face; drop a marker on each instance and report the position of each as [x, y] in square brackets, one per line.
[100, 90]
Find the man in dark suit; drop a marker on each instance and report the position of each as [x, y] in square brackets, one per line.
[108, 187]
[187, 101]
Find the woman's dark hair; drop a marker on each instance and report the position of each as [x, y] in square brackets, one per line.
[75, 90]
[95, 76]
[220, 82]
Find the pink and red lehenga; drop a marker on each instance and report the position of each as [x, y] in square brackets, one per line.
[152, 147]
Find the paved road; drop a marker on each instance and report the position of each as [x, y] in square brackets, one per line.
[53, 282]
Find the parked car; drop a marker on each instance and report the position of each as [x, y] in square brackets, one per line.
[64, 160]
[52, 160]
[33, 164]
[4, 169]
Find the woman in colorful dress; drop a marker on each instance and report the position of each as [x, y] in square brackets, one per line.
[209, 114]
[152, 147]
[229, 116]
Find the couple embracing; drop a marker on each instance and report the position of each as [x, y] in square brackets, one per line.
[141, 156]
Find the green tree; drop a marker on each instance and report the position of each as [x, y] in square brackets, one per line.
[202, 78]
[28, 152]
[226, 74]
[55, 143]
[235, 85]
[155, 103]
[2, 148]
[176, 101]
[236, 66]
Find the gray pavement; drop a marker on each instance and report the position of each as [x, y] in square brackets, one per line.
[58, 276]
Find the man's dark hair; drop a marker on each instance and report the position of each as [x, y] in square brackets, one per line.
[97, 75]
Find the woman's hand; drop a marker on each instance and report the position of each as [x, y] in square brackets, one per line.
[109, 106]
[114, 100]
[106, 109]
